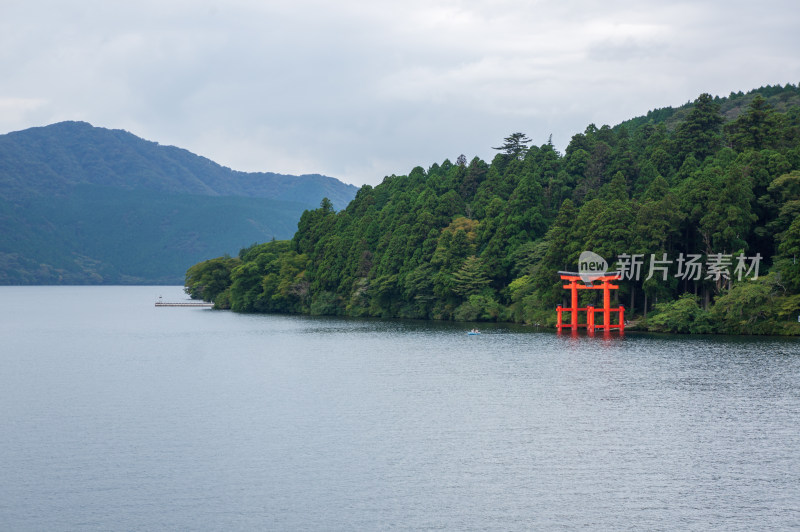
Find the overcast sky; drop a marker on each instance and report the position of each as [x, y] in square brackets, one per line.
[362, 89]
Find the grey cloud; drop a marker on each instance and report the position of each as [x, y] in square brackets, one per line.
[361, 90]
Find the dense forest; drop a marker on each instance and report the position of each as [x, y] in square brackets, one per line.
[715, 183]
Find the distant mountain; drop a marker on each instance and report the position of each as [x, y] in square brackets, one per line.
[87, 205]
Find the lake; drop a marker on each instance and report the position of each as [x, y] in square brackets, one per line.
[117, 415]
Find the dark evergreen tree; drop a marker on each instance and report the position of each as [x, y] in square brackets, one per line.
[515, 145]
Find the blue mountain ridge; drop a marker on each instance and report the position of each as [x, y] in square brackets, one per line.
[86, 205]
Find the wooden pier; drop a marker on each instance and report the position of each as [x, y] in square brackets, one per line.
[195, 304]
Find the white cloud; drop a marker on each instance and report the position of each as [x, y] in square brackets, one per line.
[19, 112]
[359, 90]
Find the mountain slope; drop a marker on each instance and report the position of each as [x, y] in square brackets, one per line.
[70, 153]
[86, 205]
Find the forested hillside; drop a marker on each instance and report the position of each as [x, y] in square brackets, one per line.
[87, 205]
[713, 184]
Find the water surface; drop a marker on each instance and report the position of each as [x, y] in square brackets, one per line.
[120, 415]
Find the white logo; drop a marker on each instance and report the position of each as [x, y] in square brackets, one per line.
[590, 266]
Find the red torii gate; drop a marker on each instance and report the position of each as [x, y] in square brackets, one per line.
[577, 282]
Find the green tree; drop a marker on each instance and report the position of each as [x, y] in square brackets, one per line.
[757, 128]
[728, 216]
[656, 228]
[515, 145]
[789, 249]
[747, 308]
[470, 278]
[684, 315]
[207, 279]
[326, 205]
[699, 135]
[561, 254]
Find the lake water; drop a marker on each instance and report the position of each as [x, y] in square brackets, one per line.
[117, 415]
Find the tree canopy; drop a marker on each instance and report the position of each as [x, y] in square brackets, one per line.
[484, 241]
